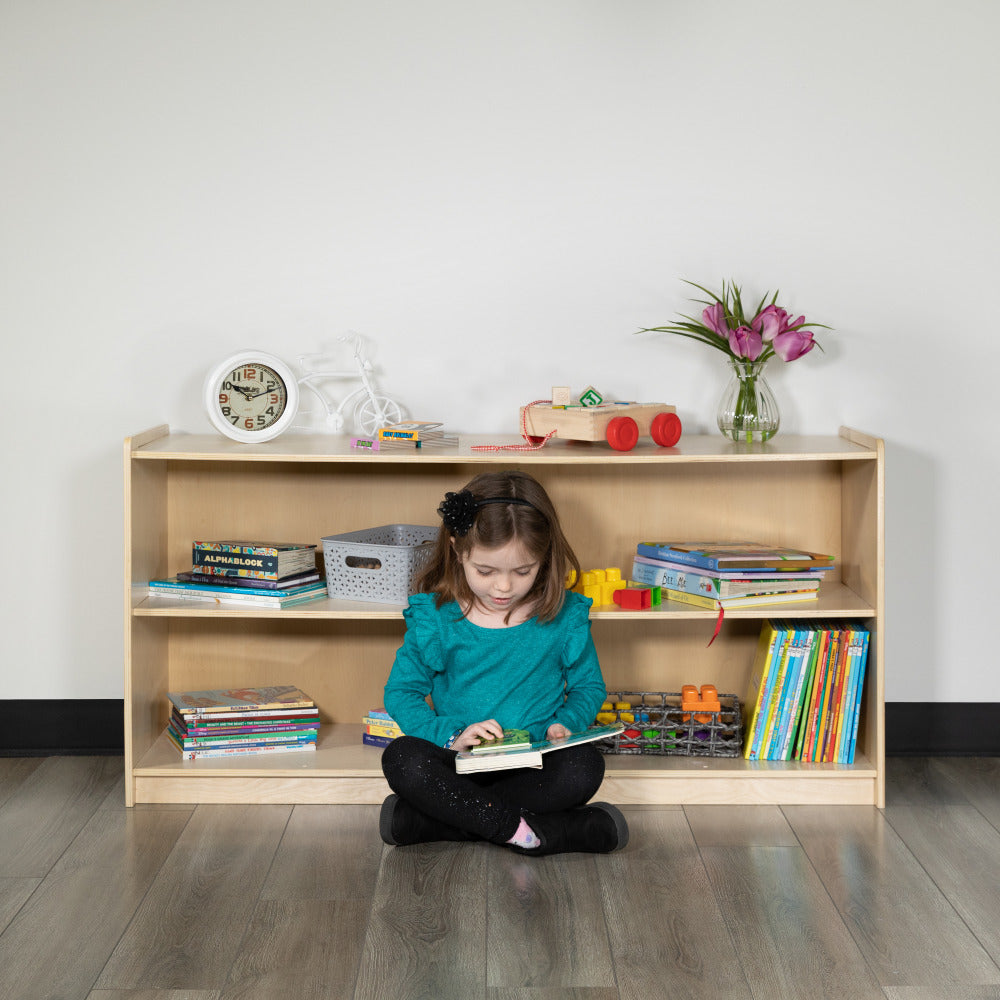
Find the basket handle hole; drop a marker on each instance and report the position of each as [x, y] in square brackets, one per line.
[363, 562]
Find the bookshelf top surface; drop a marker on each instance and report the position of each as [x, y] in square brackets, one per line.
[295, 447]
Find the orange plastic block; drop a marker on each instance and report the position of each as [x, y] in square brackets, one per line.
[693, 702]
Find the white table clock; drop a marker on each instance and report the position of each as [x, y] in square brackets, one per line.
[251, 396]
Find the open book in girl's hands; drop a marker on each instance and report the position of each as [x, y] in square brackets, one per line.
[486, 758]
[512, 739]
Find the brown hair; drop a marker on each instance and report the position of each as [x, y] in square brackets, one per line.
[534, 524]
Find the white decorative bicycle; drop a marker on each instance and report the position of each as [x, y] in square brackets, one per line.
[372, 410]
[254, 396]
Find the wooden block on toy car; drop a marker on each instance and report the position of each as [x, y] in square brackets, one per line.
[620, 424]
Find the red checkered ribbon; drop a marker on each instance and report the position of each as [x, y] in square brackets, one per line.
[528, 445]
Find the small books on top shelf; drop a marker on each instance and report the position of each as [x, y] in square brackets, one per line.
[228, 591]
[252, 574]
[755, 556]
[241, 722]
[805, 692]
[252, 559]
[468, 761]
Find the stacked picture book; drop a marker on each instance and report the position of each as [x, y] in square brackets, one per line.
[723, 575]
[805, 691]
[253, 574]
[380, 729]
[240, 722]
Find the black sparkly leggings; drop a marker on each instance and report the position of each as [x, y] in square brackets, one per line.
[489, 804]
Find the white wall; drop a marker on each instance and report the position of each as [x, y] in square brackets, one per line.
[498, 195]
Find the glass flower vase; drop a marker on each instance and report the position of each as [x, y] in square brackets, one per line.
[748, 410]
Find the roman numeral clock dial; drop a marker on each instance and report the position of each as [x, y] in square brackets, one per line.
[251, 396]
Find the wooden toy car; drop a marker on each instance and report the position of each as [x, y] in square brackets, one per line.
[620, 424]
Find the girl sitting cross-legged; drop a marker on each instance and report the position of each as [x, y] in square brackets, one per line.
[497, 642]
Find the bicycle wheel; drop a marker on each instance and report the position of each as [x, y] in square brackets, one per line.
[376, 412]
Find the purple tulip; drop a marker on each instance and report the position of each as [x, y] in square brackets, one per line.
[745, 342]
[714, 318]
[771, 321]
[792, 344]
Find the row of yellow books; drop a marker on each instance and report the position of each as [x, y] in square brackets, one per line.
[805, 692]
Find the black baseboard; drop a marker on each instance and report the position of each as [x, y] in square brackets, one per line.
[64, 727]
[42, 728]
[942, 729]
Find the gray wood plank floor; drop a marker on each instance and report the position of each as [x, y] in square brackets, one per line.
[232, 902]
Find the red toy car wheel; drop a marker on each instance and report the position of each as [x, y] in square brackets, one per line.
[666, 429]
[622, 433]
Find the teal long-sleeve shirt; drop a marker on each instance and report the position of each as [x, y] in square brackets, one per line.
[526, 676]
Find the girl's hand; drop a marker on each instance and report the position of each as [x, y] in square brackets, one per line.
[473, 735]
[557, 731]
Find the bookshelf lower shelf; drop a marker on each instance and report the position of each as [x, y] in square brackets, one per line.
[343, 770]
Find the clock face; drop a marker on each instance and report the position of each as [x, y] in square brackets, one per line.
[251, 396]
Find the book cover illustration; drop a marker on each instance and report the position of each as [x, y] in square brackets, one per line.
[530, 756]
[735, 555]
[238, 699]
[512, 739]
[258, 560]
[708, 583]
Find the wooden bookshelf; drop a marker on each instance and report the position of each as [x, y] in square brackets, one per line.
[823, 493]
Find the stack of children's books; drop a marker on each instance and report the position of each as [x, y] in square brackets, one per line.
[235, 722]
[805, 692]
[380, 729]
[722, 575]
[252, 574]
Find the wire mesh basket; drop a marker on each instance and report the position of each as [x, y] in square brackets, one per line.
[655, 723]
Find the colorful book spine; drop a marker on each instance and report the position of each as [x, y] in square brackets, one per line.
[859, 692]
[245, 750]
[779, 670]
[747, 601]
[805, 692]
[693, 582]
[793, 709]
[262, 560]
[254, 740]
[811, 700]
[758, 685]
[747, 556]
[390, 730]
[783, 708]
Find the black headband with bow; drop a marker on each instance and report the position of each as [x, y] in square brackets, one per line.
[459, 510]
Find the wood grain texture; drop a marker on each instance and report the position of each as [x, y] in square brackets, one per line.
[959, 849]
[14, 892]
[426, 935]
[13, 772]
[48, 809]
[307, 949]
[789, 938]
[545, 922]
[60, 940]
[668, 936]
[909, 933]
[978, 780]
[188, 930]
[552, 993]
[327, 852]
[153, 995]
[234, 902]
